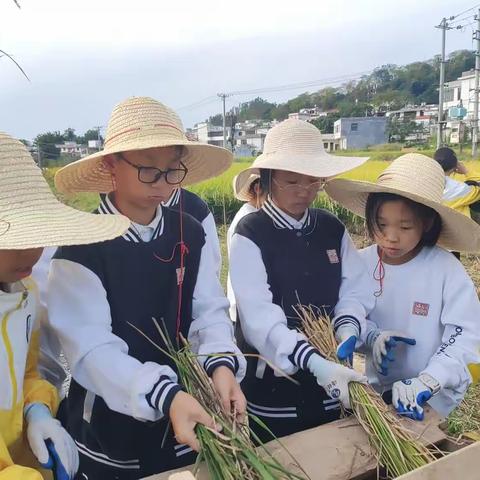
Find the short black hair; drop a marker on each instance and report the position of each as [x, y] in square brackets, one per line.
[446, 158]
[426, 214]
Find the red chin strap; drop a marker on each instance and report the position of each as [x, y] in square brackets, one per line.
[183, 251]
[379, 272]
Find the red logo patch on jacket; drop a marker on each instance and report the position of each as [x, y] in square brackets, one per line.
[420, 309]
[332, 256]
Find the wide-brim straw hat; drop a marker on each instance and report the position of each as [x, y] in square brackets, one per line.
[297, 146]
[31, 216]
[241, 186]
[142, 123]
[418, 178]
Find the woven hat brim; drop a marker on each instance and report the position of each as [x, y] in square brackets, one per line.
[459, 233]
[241, 186]
[88, 174]
[55, 225]
[321, 165]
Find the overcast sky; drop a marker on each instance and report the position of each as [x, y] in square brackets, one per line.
[84, 56]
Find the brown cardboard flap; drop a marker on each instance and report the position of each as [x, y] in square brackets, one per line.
[336, 451]
[463, 464]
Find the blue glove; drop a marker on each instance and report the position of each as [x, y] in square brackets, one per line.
[54, 463]
[50, 443]
[346, 337]
[410, 396]
[382, 343]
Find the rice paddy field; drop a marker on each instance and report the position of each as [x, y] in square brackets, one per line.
[218, 194]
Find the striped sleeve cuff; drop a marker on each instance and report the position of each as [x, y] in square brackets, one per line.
[347, 320]
[224, 360]
[302, 353]
[161, 396]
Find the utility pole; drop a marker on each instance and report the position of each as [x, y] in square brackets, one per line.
[444, 27]
[223, 96]
[476, 36]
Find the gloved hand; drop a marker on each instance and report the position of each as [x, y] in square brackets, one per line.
[50, 442]
[334, 378]
[382, 344]
[410, 395]
[346, 337]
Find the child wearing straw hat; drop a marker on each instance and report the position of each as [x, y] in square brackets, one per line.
[252, 194]
[287, 254]
[423, 335]
[30, 219]
[52, 364]
[124, 392]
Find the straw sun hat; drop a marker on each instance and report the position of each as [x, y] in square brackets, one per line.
[31, 216]
[140, 123]
[418, 178]
[297, 146]
[242, 190]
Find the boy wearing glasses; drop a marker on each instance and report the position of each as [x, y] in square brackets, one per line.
[126, 409]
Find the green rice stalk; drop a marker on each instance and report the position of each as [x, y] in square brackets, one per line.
[229, 454]
[397, 449]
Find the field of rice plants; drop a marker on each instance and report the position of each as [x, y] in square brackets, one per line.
[218, 194]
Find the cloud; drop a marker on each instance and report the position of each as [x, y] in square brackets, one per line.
[85, 57]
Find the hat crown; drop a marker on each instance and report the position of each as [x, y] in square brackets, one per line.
[22, 182]
[416, 174]
[293, 137]
[141, 117]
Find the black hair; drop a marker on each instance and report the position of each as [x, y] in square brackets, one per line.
[446, 158]
[265, 180]
[426, 215]
[252, 187]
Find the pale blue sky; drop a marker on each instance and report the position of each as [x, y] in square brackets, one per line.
[83, 56]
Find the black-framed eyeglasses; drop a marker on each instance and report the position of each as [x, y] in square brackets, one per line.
[173, 176]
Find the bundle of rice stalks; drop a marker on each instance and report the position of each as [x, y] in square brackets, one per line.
[229, 454]
[396, 448]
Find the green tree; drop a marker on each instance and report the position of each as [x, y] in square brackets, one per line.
[91, 134]
[398, 130]
[46, 142]
[69, 135]
[325, 124]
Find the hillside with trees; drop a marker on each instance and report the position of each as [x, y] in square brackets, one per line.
[388, 87]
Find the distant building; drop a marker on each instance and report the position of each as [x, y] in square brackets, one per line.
[360, 132]
[309, 114]
[330, 143]
[459, 92]
[72, 149]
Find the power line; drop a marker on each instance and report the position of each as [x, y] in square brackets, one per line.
[199, 103]
[465, 11]
[295, 86]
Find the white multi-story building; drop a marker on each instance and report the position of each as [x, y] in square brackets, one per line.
[460, 92]
[72, 149]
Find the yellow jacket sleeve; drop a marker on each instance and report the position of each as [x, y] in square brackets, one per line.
[9, 471]
[17, 472]
[462, 204]
[35, 388]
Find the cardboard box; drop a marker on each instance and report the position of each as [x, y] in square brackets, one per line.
[337, 451]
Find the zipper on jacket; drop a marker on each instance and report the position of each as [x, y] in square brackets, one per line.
[8, 347]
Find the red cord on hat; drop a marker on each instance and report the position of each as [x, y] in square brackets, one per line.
[379, 273]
